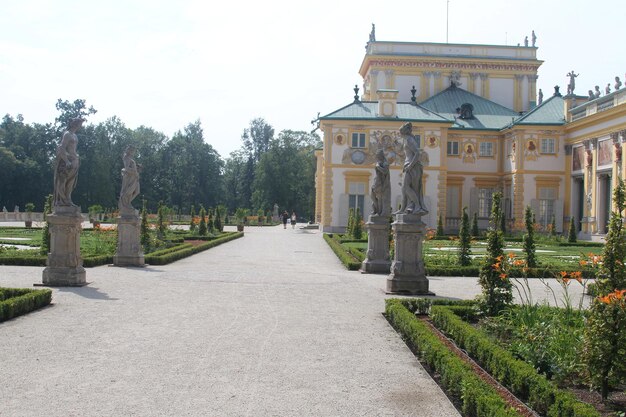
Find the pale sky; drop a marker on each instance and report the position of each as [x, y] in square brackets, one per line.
[164, 64]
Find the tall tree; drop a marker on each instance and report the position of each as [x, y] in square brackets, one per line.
[257, 138]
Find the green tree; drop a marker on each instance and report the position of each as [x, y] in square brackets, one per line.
[440, 232]
[553, 227]
[529, 238]
[465, 253]
[496, 291]
[350, 228]
[475, 231]
[605, 331]
[145, 228]
[218, 220]
[209, 224]
[192, 223]
[357, 230]
[202, 229]
[571, 235]
[45, 231]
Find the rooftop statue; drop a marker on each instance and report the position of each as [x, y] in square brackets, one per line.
[597, 92]
[533, 38]
[572, 82]
[618, 83]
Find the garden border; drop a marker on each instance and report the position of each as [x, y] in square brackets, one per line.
[15, 302]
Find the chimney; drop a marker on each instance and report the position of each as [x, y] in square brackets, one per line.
[387, 103]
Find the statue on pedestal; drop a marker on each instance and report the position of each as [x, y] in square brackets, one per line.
[381, 188]
[607, 90]
[534, 38]
[540, 97]
[572, 82]
[413, 169]
[618, 83]
[66, 165]
[597, 91]
[130, 182]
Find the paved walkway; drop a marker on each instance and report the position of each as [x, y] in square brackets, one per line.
[268, 325]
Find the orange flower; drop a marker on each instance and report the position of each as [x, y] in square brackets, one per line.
[496, 266]
[511, 255]
[563, 274]
[577, 275]
[503, 276]
[566, 280]
[605, 299]
[583, 263]
[499, 258]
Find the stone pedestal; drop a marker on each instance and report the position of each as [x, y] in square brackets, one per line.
[65, 265]
[377, 259]
[408, 275]
[129, 251]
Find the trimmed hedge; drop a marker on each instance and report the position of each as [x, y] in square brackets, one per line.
[518, 376]
[478, 398]
[473, 271]
[15, 301]
[187, 249]
[344, 256]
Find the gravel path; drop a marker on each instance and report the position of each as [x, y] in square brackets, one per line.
[268, 325]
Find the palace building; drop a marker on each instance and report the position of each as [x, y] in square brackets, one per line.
[474, 110]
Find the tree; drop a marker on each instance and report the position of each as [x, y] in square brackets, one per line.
[357, 231]
[202, 229]
[571, 235]
[440, 232]
[256, 138]
[192, 223]
[605, 331]
[475, 231]
[70, 110]
[45, 231]
[529, 239]
[496, 291]
[553, 226]
[465, 252]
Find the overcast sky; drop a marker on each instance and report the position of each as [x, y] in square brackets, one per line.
[165, 64]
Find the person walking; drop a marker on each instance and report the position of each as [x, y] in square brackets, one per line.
[293, 219]
[285, 218]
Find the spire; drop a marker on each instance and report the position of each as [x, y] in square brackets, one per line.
[413, 91]
[356, 93]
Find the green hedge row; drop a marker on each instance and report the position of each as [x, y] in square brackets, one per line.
[172, 249]
[24, 261]
[518, 376]
[344, 256]
[93, 261]
[478, 398]
[188, 250]
[473, 271]
[211, 237]
[15, 302]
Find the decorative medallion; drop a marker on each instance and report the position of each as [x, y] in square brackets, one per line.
[469, 152]
[432, 141]
[358, 157]
[339, 139]
[531, 153]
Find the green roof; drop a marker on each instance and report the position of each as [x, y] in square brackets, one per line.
[550, 112]
[487, 114]
[368, 110]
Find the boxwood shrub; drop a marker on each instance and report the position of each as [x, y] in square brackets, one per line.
[16, 301]
[518, 376]
[346, 258]
[175, 253]
[476, 396]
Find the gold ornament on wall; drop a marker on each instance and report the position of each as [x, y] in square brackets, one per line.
[432, 141]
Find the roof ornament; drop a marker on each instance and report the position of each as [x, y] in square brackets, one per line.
[372, 36]
[466, 111]
[455, 79]
[356, 93]
[557, 93]
[540, 97]
[572, 82]
[413, 91]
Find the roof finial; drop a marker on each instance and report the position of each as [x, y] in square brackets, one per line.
[356, 93]
[413, 91]
[557, 93]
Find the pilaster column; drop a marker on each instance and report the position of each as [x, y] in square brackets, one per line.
[517, 93]
[425, 89]
[373, 83]
[389, 79]
[532, 81]
[473, 76]
[484, 85]
[568, 184]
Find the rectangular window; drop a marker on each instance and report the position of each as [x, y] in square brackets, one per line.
[548, 145]
[485, 149]
[485, 196]
[453, 148]
[547, 196]
[358, 140]
[356, 197]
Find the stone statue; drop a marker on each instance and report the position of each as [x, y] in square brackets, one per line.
[591, 95]
[130, 182]
[533, 38]
[572, 82]
[373, 33]
[607, 90]
[66, 165]
[413, 169]
[381, 188]
[618, 83]
[526, 41]
[597, 92]
[540, 97]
